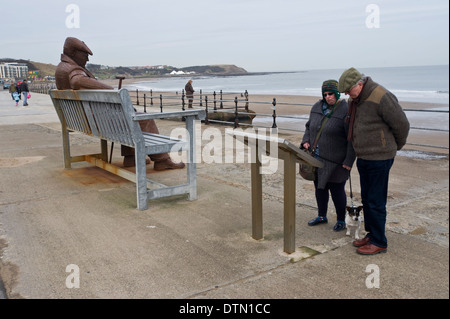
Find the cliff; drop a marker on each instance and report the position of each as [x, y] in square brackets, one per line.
[219, 69]
[105, 72]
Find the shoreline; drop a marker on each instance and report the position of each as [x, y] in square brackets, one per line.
[300, 105]
[282, 98]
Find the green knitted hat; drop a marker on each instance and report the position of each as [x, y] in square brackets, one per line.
[331, 86]
[348, 79]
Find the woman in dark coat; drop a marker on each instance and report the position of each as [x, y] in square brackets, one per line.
[333, 149]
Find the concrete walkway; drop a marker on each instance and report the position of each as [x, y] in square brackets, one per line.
[77, 233]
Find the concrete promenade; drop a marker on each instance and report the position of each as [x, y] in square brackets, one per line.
[77, 233]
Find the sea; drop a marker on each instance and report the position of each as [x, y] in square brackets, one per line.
[426, 84]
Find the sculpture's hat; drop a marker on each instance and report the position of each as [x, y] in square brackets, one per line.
[73, 44]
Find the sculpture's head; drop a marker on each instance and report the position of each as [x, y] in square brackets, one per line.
[77, 50]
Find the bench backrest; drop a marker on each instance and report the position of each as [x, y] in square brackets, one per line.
[106, 114]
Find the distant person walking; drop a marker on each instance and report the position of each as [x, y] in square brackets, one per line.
[189, 93]
[24, 90]
[378, 128]
[16, 97]
[12, 89]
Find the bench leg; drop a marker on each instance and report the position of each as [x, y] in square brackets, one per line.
[104, 150]
[141, 181]
[66, 147]
[192, 180]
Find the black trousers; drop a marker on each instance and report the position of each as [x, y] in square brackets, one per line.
[338, 196]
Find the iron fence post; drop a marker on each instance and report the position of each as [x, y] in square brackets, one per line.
[145, 104]
[246, 99]
[182, 100]
[236, 120]
[206, 110]
[274, 115]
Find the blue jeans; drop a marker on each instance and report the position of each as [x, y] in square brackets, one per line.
[374, 178]
[25, 94]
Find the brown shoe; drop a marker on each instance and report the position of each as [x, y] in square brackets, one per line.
[167, 164]
[370, 249]
[129, 161]
[361, 242]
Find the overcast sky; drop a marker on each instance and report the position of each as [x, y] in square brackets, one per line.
[258, 35]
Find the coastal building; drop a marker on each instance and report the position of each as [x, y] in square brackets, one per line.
[176, 72]
[13, 71]
[181, 72]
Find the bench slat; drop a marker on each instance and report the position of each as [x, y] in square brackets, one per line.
[111, 123]
[158, 139]
[75, 116]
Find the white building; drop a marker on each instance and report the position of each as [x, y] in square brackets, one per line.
[176, 72]
[181, 72]
[13, 71]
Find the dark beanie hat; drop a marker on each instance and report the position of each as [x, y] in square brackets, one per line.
[331, 86]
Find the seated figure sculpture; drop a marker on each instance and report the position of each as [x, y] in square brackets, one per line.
[71, 73]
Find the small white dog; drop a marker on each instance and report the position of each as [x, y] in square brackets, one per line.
[353, 219]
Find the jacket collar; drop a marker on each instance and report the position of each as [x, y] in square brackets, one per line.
[368, 86]
[67, 59]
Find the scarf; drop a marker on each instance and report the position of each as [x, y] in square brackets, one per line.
[350, 119]
[328, 110]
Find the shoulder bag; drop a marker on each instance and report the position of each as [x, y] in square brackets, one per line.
[308, 171]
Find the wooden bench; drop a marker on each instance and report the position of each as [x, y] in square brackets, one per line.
[109, 115]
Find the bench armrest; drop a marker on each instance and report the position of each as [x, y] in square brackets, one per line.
[146, 116]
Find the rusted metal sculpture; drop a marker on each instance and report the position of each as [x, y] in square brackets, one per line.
[71, 73]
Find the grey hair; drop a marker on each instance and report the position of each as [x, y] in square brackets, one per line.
[363, 78]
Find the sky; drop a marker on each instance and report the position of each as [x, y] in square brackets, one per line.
[257, 35]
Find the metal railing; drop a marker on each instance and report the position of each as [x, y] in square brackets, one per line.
[41, 86]
[237, 109]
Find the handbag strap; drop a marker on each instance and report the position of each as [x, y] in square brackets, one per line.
[327, 117]
[318, 134]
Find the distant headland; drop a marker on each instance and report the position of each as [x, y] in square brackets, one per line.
[110, 72]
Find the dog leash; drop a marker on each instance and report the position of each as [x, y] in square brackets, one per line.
[351, 192]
